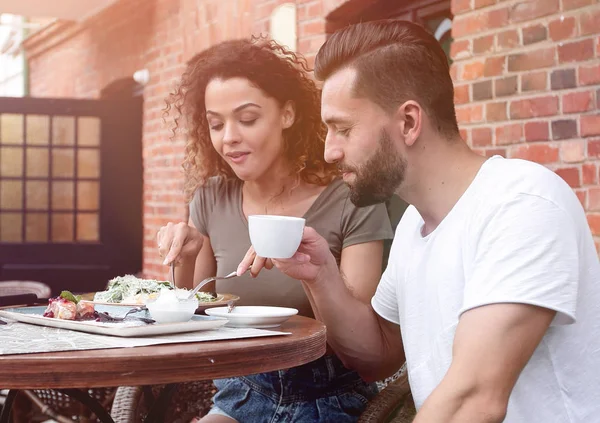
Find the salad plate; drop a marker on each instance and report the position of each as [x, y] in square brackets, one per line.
[127, 328]
[131, 291]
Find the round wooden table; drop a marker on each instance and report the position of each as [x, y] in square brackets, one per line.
[166, 364]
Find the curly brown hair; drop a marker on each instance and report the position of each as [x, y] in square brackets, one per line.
[280, 74]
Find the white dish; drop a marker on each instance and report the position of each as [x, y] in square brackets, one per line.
[253, 316]
[129, 328]
[275, 237]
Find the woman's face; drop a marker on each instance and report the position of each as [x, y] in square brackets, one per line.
[246, 126]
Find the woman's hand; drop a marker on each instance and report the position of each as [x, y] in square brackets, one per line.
[312, 255]
[178, 242]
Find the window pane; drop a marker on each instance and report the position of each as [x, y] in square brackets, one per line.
[36, 229]
[11, 161]
[88, 163]
[62, 227]
[88, 131]
[63, 130]
[11, 195]
[88, 195]
[37, 195]
[37, 129]
[37, 162]
[11, 228]
[11, 128]
[87, 227]
[63, 163]
[62, 195]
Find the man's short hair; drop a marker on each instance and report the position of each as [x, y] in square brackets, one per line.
[396, 61]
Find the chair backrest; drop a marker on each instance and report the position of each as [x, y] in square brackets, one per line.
[395, 207]
[25, 287]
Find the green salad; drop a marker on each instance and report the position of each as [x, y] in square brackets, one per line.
[130, 289]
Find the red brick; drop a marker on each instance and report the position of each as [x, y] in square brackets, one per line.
[589, 75]
[572, 151]
[508, 39]
[590, 125]
[506, 86]
[472, 70]
[494, 66]
[589, 21]
[534, 34]
[532, 9]
[571, 175]
[459, 6]
[461, 94]
[594, 222]
[454, 71]
[540, 153]
[589, 174]
[489, 152]
[562, 79]
[496, 112]
[498, 18]
[482, 90]
[594, 148]
[577, 51]
[464, 25]
[534, 81]
[577, 102]
[582, 196]
[535, 59]
[509, 134]
[534, 107]
[483, 44]
[575, 4]
[561, 29]
[477, 4]
[460, 49]
[537, 131]
[481, 137]
[593, 199]
[464, 134]
[314, 27]
[466, 114]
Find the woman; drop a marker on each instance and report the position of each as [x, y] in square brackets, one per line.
[255, 146]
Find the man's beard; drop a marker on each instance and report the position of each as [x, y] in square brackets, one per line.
[377, 180]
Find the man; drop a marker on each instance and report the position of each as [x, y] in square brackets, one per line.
[493, 280]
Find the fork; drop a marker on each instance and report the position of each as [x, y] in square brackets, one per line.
[133, 310]
[211, 279]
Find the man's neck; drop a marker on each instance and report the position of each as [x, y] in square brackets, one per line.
[441, 179]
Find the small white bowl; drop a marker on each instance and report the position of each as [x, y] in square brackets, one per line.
[172, 313]
[275, 237]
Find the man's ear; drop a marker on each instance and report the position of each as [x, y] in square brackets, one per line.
[288, 114]
[409, 117]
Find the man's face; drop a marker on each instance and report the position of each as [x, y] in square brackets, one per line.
[358, 141]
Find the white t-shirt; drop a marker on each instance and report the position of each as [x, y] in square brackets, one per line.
[519, 235]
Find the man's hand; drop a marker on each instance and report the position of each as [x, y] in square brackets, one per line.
[312, 255]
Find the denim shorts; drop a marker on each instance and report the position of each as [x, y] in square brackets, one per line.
[320, 391]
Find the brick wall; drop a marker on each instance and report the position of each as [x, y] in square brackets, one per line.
[527, 81]
[527, 77]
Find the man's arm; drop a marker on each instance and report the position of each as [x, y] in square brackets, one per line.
[491, 347]
[364, 341]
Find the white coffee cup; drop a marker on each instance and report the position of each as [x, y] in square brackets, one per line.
[275, 237]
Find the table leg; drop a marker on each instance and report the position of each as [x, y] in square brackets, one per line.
[156, 414]
[7, 408]
[89, 402]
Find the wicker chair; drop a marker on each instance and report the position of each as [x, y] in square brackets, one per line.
[40, 404]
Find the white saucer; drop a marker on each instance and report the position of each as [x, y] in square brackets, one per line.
[253, 316]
